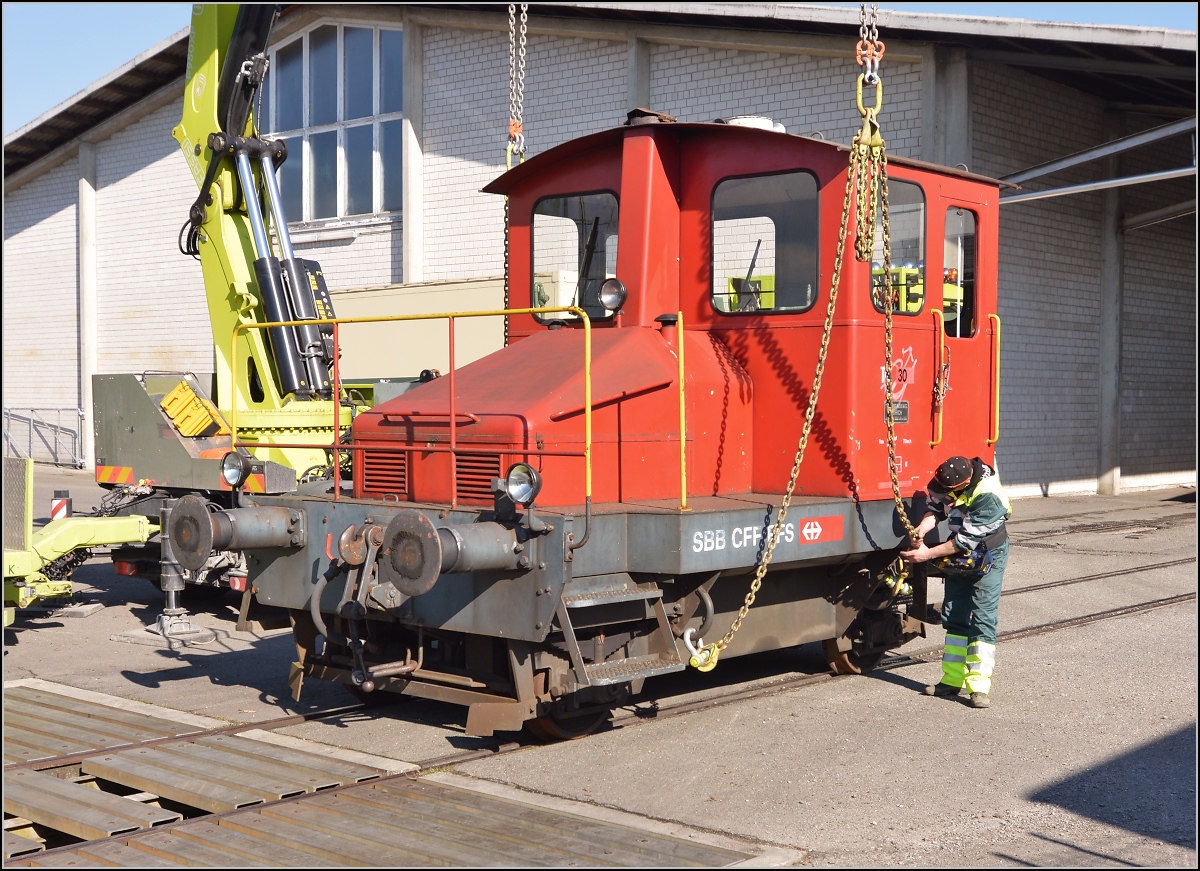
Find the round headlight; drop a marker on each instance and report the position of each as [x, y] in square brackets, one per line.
[613, 294]
[522, 484]
[235, 469]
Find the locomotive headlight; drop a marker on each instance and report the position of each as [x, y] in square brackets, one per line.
[235, 469]
[522, 484]
[613, 294]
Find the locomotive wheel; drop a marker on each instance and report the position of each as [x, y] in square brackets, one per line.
[851, 661]
[552, 727]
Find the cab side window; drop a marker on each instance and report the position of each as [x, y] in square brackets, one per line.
[764, 243]
[958, 276]
[906, 224]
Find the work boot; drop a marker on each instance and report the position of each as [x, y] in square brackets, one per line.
[942, 690]
[980, 700]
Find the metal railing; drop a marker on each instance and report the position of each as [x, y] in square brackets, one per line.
[337, 448]
[45, 435]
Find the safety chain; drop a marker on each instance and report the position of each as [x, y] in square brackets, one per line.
[865, 179]
[941, 384]
[516, 83]
[870, 48]
[516, 112]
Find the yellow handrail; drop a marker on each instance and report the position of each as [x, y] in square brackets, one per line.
[939, 330]
[682, 420]
[995, 382]
[450, 316]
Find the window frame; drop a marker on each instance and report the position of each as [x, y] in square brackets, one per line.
[712, 246]
[549, 318]
[970, 303]
[923, 267]
[307, 130]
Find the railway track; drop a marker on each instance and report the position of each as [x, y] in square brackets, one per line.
[149, 791]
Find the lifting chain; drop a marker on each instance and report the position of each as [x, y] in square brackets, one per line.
[516, 112]
[865, 179]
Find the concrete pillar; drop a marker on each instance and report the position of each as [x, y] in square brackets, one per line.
[87, 297]
[413, 225]
[1112, 292]
[952, 107]
[638, 74]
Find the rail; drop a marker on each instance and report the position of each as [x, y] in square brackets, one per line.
[994, 436]
[453, 414]
[45, 441]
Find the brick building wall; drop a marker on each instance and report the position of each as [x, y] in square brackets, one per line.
[41, 304]
[1158, 320]
[807, 94]
[572, 87]
[152, 312]
[371, 257]
[1049, 278]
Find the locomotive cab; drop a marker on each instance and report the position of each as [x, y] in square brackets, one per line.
[537, 532]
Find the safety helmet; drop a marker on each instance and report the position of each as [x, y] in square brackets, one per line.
[953, 474]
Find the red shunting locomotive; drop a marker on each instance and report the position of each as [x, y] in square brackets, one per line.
[525, 535]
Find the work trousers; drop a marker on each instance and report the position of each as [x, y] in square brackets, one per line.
[970, 616]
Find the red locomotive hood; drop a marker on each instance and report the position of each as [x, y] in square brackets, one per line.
[538, 380]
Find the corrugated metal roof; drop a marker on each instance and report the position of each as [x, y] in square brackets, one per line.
[1134, 68]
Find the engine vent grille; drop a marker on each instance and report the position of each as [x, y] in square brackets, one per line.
[386, 472]
[475, 474]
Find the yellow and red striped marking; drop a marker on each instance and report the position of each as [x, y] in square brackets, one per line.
[114, 474]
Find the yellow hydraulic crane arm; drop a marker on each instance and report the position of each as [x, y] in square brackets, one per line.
[238, 230]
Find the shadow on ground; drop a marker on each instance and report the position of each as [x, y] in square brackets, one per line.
[1149, 791]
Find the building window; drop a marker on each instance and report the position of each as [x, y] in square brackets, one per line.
[335, 94]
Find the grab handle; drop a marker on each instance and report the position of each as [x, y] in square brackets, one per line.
[995, 436]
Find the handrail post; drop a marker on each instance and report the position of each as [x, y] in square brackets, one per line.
[683, 506]
[995, 433]
[337, 416]
[939, 332]
[233, 391]
[453, 427]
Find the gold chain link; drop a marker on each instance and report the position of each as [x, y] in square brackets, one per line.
[879, 167]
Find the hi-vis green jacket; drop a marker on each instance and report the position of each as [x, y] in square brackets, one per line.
[979, 512]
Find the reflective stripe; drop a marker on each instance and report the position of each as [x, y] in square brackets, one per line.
[980, 529]
[953, 657]
[984, 651]
[958, 642]
[990, 484]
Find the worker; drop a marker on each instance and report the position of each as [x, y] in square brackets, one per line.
[967, 493]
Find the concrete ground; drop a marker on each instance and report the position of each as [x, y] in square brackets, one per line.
[1087, 756]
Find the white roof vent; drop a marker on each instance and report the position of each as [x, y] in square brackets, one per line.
[758, 122]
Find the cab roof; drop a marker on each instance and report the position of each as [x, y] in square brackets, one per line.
[508, 181]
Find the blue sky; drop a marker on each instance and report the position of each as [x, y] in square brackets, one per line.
[54, 50]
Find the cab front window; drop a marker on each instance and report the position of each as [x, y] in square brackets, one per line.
[574, 251]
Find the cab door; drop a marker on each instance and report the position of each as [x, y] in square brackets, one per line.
[966, 220]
